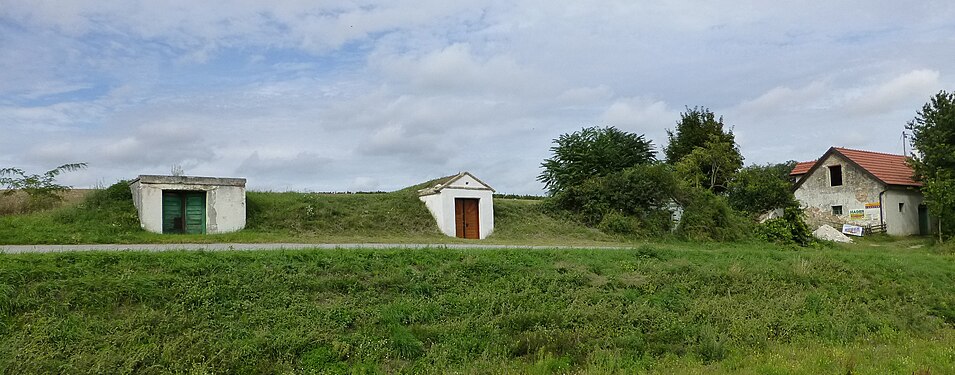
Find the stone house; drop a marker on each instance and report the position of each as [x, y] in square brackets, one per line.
[862, 188]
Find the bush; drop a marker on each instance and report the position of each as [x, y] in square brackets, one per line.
[614, 222]
[757, 189]
[789, 229]
[708, 217]
[637, 197]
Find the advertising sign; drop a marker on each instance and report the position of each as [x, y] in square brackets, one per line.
[854, 230]
[857, 214]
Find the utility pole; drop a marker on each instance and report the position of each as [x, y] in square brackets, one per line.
[903, 143]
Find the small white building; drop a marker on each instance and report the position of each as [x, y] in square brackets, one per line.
[862, 188]
[462, 205]
[186, 204]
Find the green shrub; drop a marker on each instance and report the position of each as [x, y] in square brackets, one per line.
[634, 198]
[617, 223]
[791, 228]
[708, 217]
[757, 189]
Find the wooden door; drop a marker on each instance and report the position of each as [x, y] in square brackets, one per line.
[923, 220]
[467, 218]
[172, 212]
[184, 212]
[195, 212]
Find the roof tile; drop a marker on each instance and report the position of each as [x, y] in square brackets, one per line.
[891, 169]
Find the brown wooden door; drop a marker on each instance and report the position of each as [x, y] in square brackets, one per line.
[467, 218]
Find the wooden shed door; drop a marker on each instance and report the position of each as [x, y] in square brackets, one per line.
[184, 212]
[172, 212]
[467, 218]
[195, 209]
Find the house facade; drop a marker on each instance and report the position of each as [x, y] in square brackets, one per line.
[187, 204]
[862, 188]
[462, 205]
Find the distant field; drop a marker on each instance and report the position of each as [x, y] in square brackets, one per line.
[15, 203]
[874, 308]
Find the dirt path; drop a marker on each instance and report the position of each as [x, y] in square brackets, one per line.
[18, 249]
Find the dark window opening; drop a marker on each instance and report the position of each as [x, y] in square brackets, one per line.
[901, 205]
[835, 175]
[837, 210]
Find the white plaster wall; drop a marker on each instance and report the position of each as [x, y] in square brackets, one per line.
[441, 206]
[858, 188]
[467, 181]
[435, 205]
[906, 222]
[225, 206]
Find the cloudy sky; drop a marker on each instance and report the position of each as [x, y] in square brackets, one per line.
[368, 95]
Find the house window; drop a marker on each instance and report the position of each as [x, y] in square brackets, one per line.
[835, 175]
[901, 205]
[837, 210]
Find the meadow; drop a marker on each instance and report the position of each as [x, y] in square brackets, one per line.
[652, 306]
[877, 307]
[108, 216]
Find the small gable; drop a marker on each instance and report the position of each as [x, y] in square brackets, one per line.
[463, 180]
[467, 181]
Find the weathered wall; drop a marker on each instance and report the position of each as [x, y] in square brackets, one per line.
[441, 206]
[858, 188]
[225, 205]
[902, 222]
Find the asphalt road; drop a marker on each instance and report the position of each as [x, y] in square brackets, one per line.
[18, 249]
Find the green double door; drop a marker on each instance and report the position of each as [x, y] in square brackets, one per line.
[184, 212]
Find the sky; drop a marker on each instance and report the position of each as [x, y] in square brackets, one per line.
[378, 95]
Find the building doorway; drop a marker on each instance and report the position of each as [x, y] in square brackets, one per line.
[183, 212]
[467, 220]
[923, 220]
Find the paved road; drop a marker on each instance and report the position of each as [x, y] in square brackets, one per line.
[16, 249]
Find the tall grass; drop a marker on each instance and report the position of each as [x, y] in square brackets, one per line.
[701, 308]
[108, 216]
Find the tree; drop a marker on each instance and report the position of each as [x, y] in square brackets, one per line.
[696, 127]
[593, 152]
[641, 191]
[41, 189]
[712, 165]
[760, 188]
[933, 138]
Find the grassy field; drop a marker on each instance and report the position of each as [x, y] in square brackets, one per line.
[877, 307]
[108, 216]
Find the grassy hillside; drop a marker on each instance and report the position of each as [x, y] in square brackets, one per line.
[108, 216]
[662, 309]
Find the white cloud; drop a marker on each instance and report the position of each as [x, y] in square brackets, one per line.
[904, 90]
[642, 116]
[388, 94]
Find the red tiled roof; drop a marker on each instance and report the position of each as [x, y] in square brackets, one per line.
[889, 168]
[802, 167]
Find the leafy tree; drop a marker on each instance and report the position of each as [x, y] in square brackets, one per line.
[760, 188]
[41, 189]
[593, 152]
[696, 127]
[642, 192]
[712, 165]
[933, 137]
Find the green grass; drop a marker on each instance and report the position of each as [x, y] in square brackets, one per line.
[665, 308]
[108, 216]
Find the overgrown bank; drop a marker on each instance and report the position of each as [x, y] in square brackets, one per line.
[108, 216]
[702, 308]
